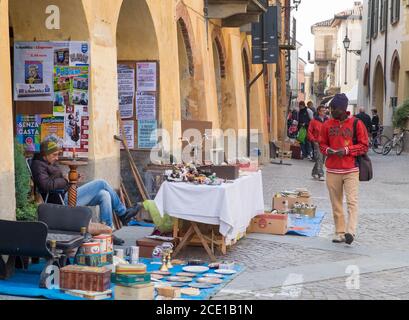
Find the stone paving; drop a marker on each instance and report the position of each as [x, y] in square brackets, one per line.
[376, 266]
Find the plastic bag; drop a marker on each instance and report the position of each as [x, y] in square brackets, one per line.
[165, 224]
[302, 135]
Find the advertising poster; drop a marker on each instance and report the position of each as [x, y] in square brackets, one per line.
[146, 105]
[33, 71]
[129, 128]
[126, 91]
[147, 134]
[76, 131]
[146, 76]
[61, 54]
[28, 132]
[52, 129]
[79, 53]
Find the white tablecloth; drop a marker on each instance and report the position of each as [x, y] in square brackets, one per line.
[231, 205]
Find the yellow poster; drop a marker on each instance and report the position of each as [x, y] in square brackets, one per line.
[52, 128]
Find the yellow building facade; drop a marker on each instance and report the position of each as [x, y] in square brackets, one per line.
[203, 69]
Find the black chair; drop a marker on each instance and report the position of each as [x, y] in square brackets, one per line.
[64, 225]
[25, 239]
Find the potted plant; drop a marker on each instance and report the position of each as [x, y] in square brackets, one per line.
[401, 116]
[26, 210]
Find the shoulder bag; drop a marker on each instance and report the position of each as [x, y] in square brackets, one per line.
[364, 162]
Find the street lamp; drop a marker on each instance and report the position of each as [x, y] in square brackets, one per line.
[296, 4]
[347, 44]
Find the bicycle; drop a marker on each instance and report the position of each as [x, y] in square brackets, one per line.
[397, 143]
[377, 143]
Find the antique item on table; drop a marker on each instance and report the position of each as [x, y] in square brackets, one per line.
[131, 269]
[226, 172]
[161, 273]
[95, 260]
[196, 262]
[196, 269]
[179, 279]
[134, 255]
[214, 265]
[186, 274]
[156, 276]
[201, 285]
[147, 245]
[193, 292]
[227, 265]
[169, 292]
[225, 272]
[90, 248]
[120, 253]
[131, 280]
[164, 266]
[118, 261]
[178, 284]
[136, 292]
[90, 295]
[213, 275]
[85, 278]
[177, 262]
[105, 241]
[210, 280]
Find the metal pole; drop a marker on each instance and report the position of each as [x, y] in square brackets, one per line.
[249, 85]
[346, 66]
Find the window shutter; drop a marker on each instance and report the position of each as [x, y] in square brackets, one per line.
[375, 19]
[369, 25]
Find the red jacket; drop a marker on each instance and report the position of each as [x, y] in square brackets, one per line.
[337, 135]
[314, 130]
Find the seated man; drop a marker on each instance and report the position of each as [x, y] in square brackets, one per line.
[48, 177]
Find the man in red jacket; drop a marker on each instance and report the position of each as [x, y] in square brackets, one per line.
[336, 142]
[314, 131]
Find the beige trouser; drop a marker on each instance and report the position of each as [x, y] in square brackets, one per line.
[337, 184]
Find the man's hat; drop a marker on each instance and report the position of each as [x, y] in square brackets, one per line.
[340, 101]
[49, 147]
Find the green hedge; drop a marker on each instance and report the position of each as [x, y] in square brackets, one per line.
[401, 116]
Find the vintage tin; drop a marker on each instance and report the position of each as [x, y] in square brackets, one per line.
[131, 269]
[95, 260]
[85, 278]
[131, 280]
[90, 248]
[105, 241]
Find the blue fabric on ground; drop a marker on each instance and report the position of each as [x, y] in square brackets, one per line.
[304, 225]
[205, 294]
[26, 283]
[141, 224]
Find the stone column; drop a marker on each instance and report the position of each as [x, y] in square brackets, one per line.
[7, 191]
[104, 151]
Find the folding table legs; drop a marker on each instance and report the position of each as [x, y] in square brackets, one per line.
[194, 229]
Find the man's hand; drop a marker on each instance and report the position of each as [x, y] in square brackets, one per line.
[331, 151]
[340, 152]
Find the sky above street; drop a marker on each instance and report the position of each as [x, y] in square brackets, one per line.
[311, 12]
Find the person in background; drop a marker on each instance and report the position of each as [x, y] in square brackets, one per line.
[314, 132]
[304, 120]
[48, 177]
[292, 124]
[310, 106]
[375, 124]
[365, 118]
[337, 144]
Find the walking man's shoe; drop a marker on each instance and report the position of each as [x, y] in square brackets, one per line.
[349, 238]
[322, 178]
[315, 176]
[339, 238]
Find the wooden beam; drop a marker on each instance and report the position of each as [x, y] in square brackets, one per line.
[222, 11]
[240, 20]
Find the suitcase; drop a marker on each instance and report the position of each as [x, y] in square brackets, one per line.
[296, 152]
[147, 245]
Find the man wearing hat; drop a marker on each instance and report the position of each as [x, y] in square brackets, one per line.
[49, 178]
[337, 144]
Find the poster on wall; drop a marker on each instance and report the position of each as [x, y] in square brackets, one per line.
[147, 134]
[28, 132]
[76, 131]
[52, 129]
[129, 128]
[146, 76]
[79, 53]
[146, 105]
[126, 91]
[33, 71]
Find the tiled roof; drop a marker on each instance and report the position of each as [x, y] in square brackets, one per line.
[326, 23]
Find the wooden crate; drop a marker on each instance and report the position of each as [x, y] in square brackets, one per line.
[85, 278]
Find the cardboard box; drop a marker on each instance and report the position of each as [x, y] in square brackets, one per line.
[279, 203]
[269, 224]
[137, 292]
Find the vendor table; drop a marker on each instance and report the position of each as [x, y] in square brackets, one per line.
[73, 180]
[231, 206]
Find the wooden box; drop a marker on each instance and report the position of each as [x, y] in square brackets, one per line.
[279, 203]
[147, 245]
[85, 278]
[230, 172]
[296, 152]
